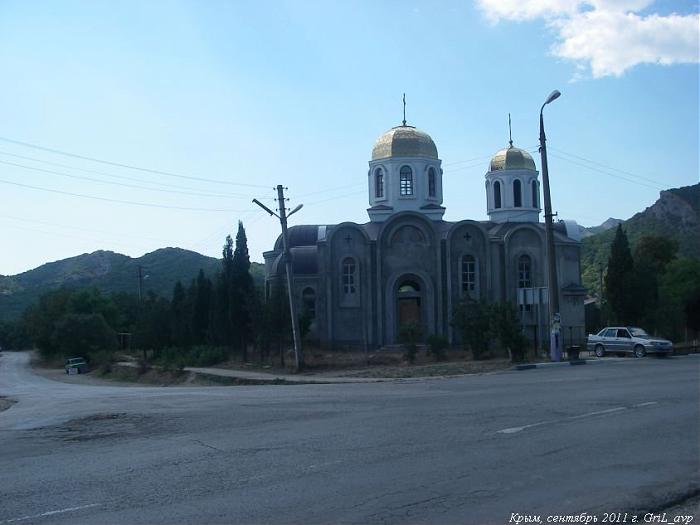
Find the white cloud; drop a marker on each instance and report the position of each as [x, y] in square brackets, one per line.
[607, 37]
[496, 10]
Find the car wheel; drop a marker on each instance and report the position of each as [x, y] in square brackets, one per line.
[599, 351]
[639, 351]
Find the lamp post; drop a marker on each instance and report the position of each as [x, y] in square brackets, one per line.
[552, 282]
[283, 215]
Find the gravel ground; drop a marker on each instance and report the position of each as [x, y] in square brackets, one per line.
[436, 369]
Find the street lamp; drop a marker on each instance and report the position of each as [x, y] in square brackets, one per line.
[554, 314]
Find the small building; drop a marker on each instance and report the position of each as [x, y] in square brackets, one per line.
[361, 282]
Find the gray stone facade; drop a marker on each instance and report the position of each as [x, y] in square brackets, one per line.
[363, 281]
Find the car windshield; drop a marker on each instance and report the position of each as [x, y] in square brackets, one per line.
[638, 332]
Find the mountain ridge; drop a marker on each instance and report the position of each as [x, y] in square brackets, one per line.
[675, 215]
[110, 272]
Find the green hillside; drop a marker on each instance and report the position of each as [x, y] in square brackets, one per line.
[675, 215]
[109, 272]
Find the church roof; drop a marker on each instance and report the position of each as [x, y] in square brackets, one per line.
[304, 261]
[404, 141]
[300, 235]
[512, 158]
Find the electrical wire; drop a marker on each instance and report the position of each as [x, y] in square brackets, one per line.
[607, 167]
[122, 165]
[125, 177]
[119, 201]
[80, 228]
[337, 197]
[122, 184]
[658, 186]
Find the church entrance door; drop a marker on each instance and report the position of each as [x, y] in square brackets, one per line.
[408, 305]
[409, 310]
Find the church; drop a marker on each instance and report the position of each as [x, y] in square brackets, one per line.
[360, 283]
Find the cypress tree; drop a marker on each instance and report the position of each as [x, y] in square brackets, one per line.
[179, 316]
[200, 313]
[243, 290]
[220, 323]
[618, 280]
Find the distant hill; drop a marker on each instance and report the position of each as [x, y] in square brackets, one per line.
[676, 215]
[109, 272]
[593, 230]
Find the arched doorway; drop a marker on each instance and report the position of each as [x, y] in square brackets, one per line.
[408, 304]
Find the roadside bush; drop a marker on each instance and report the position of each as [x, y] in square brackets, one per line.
[144, 366]
[177, 358]
[85, 335]
[437, 346]
[473, 321]
[506, 326]
[409, 335]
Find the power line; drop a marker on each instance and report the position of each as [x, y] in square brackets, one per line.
[337, 197]
[331, 189]
[606, 172]
[123, 184]
[473, 160]
[127, 166]
[608, 167]
[72, 236]
[79, 228]
[124, 177]
[105, 199]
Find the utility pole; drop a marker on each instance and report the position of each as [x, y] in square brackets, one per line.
[140, 274]
[600, 296]
[552, 281]
[298, 355]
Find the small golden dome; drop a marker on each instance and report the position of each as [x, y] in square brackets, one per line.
[512, 158]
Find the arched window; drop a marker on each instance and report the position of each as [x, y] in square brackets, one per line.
[468, 273]
[349, 276]
[406, 181]
[496, 194]
[535, 194]
[517, 194]
[379, 183]
[431, 182]
[524, 272]
[308, 300]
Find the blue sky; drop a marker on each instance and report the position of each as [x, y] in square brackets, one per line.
[254, 94]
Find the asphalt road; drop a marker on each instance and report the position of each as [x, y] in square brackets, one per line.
[615, 437]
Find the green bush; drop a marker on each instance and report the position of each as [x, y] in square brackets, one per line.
[437, 346]
[409, 335]
[177, 358]
[85, 335]
[472, 319]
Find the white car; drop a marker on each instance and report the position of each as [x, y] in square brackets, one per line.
[627, 339]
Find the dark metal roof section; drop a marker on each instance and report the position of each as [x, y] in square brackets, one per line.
[302, 235]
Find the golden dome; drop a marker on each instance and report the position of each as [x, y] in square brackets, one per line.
[512, 158]
[404, 141]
